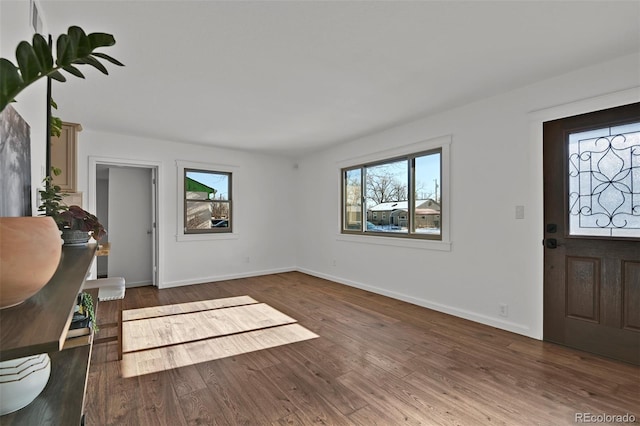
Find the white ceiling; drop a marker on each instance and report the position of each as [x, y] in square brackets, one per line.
[291, 77]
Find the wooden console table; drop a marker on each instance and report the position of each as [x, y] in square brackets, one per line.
[39, 325]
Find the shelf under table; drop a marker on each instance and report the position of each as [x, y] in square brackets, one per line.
[62, 400]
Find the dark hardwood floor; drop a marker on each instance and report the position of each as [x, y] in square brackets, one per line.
[378, 361]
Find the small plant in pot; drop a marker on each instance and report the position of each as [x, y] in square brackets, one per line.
[84, 313]
[77, 225]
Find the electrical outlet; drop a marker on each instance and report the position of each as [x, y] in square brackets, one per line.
[503, 310]
[247, 259]
[333, 262]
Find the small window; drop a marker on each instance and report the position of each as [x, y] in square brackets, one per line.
[207, 201]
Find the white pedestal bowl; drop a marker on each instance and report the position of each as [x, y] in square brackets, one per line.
[22, 380]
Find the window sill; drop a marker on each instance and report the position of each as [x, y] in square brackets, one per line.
[207, 237]
[396, 242]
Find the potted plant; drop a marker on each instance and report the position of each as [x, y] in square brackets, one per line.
[85, 313]
[77, 225]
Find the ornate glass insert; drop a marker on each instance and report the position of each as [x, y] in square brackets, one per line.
[604, 182]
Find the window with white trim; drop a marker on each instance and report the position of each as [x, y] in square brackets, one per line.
[207, 201]
[396, 197]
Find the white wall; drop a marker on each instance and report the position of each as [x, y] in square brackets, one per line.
[32, 102]
[264, 209]
[496, 164]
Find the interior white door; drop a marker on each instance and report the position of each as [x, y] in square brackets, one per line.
[130, 225]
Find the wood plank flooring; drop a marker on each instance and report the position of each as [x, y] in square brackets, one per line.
[378, 361]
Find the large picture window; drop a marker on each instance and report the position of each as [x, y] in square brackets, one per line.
[399, 197]
[207, 201]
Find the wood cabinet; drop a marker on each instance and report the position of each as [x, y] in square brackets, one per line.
[64, 156]
[39, 325]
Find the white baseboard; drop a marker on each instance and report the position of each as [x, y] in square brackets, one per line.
[472, 316]
[215, 278]
[138, 284]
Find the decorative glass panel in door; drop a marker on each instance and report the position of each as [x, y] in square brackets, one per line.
[604, 182]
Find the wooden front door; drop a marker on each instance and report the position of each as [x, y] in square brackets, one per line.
[592, 232]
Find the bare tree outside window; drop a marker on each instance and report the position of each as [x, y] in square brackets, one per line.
[387, 182]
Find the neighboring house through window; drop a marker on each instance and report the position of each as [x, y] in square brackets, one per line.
[207, 201]
[398, 196]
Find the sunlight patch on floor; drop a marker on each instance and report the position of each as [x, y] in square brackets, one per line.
[183, 308]
[155, 339]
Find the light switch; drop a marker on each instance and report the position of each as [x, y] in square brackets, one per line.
[519, 212]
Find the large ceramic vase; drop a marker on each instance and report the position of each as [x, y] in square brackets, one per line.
[30, 249]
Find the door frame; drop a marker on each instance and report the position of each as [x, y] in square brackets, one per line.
[536, 120]
[156, 209]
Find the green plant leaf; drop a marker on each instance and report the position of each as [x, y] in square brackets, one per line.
[79, 41]
[10, 84]
[51, 197]
[28, 62]
[56, 75]
[56, 126]
[108, 58]
[90, 60]
[65, 53]
[101, 40]
[73, 70]
[43, 51]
